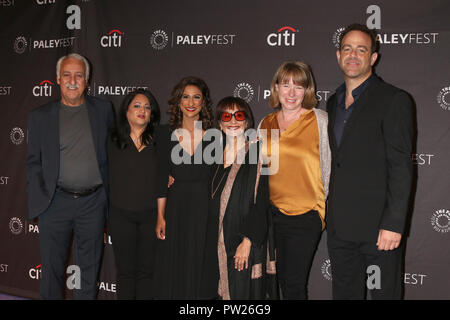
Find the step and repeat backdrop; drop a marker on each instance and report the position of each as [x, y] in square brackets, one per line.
[235, 46]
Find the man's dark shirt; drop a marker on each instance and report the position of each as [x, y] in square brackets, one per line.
[342, 113]
[78, 160]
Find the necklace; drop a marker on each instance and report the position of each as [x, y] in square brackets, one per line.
[213, 192]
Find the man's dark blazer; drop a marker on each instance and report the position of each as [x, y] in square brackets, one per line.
[43, 149]
[371, 175]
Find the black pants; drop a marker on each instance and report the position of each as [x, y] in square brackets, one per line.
[349, 268]
[133, 240]
[85, 217]
[296, 240]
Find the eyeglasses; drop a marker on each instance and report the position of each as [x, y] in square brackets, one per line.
[227, 116]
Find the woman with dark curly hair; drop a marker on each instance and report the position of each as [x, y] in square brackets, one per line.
[181, 227]
[133, 193]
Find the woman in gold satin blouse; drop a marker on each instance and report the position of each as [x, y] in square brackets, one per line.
[298, 153]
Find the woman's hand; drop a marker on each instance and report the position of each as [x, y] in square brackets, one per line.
[171, 181]
[161, 228]
[242, 254]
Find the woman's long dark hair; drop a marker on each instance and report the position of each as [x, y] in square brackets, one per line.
[120, 135]
[176, 116]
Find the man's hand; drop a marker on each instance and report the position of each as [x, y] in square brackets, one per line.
[388, 240]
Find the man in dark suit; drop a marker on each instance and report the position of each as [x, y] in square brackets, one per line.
[371, 139]
[67, 178]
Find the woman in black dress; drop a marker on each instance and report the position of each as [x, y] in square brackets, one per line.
[239, 203]
[181, 229]
[133, 193]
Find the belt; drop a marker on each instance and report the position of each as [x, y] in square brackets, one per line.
[79, 193]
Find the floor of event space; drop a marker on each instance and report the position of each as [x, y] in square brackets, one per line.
[4, 296]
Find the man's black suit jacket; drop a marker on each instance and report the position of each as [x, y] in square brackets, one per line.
[43, 149]
[371, 175]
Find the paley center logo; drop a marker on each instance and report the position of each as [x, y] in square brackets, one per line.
[440, 220]
[17, 136]
[159, 39]
[285, 36]
[442, 98]
[20, 44]
[44, 89]
[16, 226]
[112, 40]
[326, 269]
[337, 36]
[244, 91]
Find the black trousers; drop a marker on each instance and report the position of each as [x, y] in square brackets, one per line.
[296, 240]
[133, 240]
[352, 278]
[85, 217]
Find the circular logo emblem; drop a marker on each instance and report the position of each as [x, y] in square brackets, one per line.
[440, 220]
[17, 136]
[326, 269]
[244, 91]
[15, 225]
[20, 45]
[159, 39]
[443, 99]
[337, 36]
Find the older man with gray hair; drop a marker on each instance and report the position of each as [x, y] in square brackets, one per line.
[67, 178]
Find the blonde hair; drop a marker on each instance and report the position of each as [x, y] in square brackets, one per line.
[301, 74]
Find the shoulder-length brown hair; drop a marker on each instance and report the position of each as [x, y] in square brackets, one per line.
[176, 116]
[301, 74]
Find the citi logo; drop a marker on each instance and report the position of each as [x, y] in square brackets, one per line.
[36, 272]
[112, 40]
[40, 2]
[44, 89]
[285, 36]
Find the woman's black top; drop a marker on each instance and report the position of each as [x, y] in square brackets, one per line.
[133, 177]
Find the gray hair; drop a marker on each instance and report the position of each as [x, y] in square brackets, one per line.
[75, 56]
